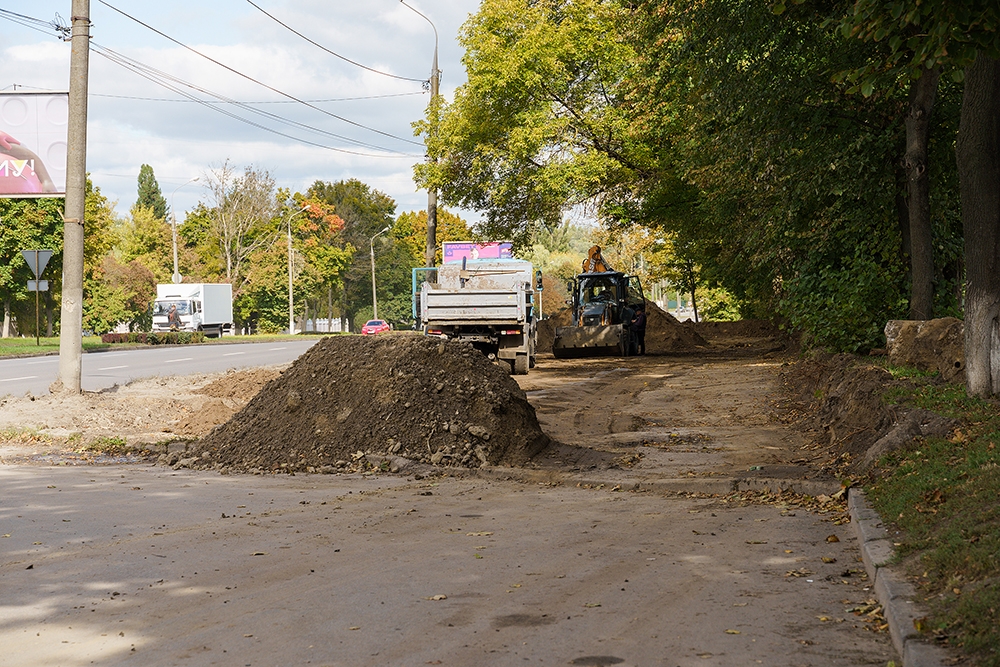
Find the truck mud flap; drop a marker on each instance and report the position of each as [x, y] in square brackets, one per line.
[588, 341]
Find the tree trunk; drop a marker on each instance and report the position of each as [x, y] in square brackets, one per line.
[978, 153]
[6, 318]
[918, 127]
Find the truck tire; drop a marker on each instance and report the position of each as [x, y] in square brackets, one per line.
[521, 364]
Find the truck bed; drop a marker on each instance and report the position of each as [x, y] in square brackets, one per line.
[442, 306]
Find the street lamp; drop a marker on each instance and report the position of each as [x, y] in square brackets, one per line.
[173, 215]
[431, 192]
[291, 305]
[372, 248]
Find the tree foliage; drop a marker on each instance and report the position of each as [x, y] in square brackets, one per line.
[149, 195]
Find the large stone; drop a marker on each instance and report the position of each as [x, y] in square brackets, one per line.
[931, 345]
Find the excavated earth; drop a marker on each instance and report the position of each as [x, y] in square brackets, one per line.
[420, 398]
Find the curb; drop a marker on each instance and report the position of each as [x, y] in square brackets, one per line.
[895, 594]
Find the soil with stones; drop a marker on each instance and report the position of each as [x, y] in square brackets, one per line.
[418, 398]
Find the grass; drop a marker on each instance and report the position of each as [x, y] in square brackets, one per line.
[945, 497]
[17, 347]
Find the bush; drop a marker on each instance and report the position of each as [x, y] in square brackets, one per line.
[156, 338]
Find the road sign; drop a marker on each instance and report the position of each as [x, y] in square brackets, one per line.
[38, 285]
[37, 259]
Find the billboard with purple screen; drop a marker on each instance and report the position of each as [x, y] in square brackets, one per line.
[33, 144]
[456, 251]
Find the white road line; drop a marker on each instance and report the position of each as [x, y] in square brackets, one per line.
[27, 377]
[107, 355]
[275, 349]
[170, 361]
[44, 361]
[233, 354]
[111, 368]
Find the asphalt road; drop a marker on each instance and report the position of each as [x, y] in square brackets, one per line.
[106, 369]
[127, 565]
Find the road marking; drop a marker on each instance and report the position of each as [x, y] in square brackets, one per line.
[106, 355]
[46, 361]
[233, 354]
[26, 377]
[275, 349]
[170, 361]
[111, 368]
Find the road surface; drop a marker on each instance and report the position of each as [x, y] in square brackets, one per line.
[105, 369]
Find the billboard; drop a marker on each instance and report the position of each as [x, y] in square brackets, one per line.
[33, 144]
[453, 251]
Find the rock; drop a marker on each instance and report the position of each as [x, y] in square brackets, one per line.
[293, 401]
[478, 431]
[455, 428]
[437, 457]
[918, 423]
[185, 463]
[931, 345]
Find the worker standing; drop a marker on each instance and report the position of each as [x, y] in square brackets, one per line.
[639, 328]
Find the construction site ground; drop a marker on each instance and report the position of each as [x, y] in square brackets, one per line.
[651, 531]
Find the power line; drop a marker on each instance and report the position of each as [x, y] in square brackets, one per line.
[332, 53]
[331, 99]
[154, 76]
[259, 83]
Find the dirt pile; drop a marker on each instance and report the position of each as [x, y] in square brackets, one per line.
[392, 396]
[225, 396]
[663, 332]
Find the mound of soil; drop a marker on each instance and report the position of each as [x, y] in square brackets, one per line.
[739, 329]
[663, 332]
[406, 396]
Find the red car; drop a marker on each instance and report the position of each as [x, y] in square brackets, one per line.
[373, 327]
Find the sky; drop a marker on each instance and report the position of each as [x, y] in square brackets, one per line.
[133, 121]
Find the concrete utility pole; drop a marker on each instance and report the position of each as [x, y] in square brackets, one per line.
[372, 248]
[71, 330]
[431, 250]
[291, 303]
[173, 216]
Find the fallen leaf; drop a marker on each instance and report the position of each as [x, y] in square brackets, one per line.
[354, 627]
[479, 534]
[437, 597]
[832, 538]
[248, 635]
[756, 541]
[258, 553]
[824, 619]
[829, 559]
[732, 632]
[5, 535]
[920, 623]
[592, 604]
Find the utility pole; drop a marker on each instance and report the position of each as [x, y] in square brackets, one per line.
[431, 249]
[71, 331]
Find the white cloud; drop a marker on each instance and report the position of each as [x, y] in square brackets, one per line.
[183, 139]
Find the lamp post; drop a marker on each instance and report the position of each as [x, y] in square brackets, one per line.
[173, 215]
[291, 303]
[435, 81]
[372, 248]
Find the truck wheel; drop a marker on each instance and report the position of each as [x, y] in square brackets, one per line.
[521, 364]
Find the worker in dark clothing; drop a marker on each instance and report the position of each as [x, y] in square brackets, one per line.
[639, 328]
[173, 318]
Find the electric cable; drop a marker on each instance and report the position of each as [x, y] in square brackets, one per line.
[331, 99]
[253, 80]
[332, 53]
[141, 71]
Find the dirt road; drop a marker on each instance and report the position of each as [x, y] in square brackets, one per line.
[587, 557]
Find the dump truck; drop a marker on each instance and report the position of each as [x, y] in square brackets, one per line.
[205, 307]
[489, 303]
[603, 305]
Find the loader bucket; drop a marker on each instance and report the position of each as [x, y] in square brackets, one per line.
[589, 341]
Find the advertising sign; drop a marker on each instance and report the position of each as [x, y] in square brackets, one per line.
[33, 144]
[453, 251]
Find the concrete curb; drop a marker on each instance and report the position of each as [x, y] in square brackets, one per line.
[896, 595]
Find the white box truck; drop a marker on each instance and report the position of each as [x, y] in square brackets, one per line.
[204, 307]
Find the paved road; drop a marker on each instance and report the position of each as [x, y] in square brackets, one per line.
[105, 369]
[128, 565]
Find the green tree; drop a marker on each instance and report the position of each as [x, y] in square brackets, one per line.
[27, 224]
[149, 195]
[147, 239]
[411, 229]
[365, 212]
[104, 305]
